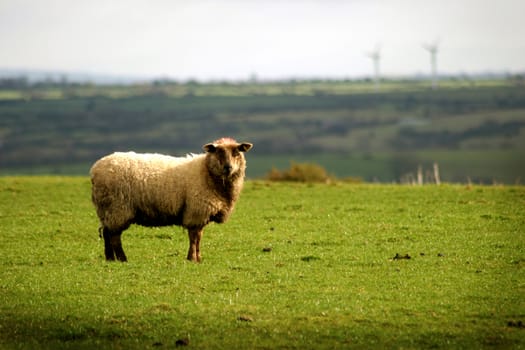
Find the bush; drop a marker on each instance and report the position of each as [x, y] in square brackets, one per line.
[300, 172]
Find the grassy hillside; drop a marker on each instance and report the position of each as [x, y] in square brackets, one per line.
[317, 266]
[67, 128]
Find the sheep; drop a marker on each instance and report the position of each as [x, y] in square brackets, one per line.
[158, 190]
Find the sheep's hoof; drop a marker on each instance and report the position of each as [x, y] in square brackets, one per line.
[195, 259]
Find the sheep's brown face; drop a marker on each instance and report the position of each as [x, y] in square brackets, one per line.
[225, 157]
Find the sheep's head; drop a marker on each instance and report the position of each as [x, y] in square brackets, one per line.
[225, 157]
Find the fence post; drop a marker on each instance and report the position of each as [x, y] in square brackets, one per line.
[436, 173]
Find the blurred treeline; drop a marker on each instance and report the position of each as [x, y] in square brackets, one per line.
[473, 129]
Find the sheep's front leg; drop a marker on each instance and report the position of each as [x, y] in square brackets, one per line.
[195, 235]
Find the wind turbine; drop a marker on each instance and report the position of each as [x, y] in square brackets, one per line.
[433, 50]
[376, 57]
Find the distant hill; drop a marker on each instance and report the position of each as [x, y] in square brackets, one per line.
[475, 130]
[76, 77]
[43, 76]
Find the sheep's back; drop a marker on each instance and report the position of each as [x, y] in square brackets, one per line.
[140, 178]
[136, 166]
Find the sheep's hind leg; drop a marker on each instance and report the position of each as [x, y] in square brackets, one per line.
[108, 248]
[195, 235]
[117, 247]
[113, 245]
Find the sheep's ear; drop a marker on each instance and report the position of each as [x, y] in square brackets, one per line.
[209, 147]
[244, 147]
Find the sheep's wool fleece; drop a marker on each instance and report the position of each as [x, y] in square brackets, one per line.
[158, 186]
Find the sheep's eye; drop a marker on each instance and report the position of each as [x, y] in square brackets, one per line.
[235, 153]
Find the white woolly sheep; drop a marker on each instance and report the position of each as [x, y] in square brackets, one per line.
[158, 190]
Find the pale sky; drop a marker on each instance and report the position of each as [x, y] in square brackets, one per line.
[233, 39]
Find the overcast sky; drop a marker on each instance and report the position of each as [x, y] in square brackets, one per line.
[233, 39]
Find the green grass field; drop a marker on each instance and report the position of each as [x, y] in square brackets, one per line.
[297, 266]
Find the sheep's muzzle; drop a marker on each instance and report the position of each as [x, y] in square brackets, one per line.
[227, 170]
